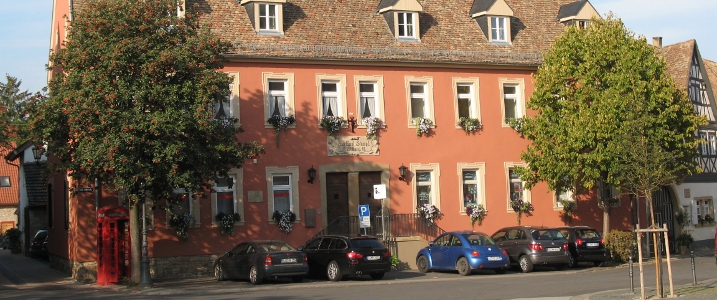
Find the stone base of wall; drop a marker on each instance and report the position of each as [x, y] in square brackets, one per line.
[163, 267]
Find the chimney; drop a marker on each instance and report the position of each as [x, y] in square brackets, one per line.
[657, 41]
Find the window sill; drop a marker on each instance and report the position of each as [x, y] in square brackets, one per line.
[270, 33]
[408, 40]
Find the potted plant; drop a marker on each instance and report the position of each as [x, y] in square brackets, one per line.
[372, 126]
[332, 124]
[521, 208]
[226, 222]
[469, 125]
[181, 224]
[709, 219]
[516, 124]
[14, 235]
[285, 219]
[685, 240]
[423, 126]
[476, 212]
[280, 123]
[428, 212]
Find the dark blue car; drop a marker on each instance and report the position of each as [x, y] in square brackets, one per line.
[462, 251]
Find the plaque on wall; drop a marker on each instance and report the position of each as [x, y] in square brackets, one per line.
[351, 146]
[255, 196]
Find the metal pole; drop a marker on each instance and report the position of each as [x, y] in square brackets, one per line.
[692, 260]
[145, 278]
[632, 282]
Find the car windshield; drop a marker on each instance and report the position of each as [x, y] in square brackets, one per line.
[547, 234]
[275, 246]
[366, 243]
[587, 234]
[478, 239]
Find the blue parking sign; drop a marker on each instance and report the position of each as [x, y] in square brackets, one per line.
[364, 216]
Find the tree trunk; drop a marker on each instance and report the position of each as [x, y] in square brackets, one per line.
[605, 220]
[134, 230]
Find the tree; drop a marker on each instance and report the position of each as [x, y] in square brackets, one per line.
[13, 112]
[595, 85]
[133, 103]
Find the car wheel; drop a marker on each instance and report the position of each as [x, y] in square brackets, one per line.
[422, 264]
[297, 279]
[525, 264]
[463, 267]
[218, 272]
[254, 276]
[377, 276]
[598, 263]
[333, 271]
[573, 262]
[500, 271]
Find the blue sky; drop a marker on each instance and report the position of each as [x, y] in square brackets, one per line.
[25, 30]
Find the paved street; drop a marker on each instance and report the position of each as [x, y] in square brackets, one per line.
[23, 277]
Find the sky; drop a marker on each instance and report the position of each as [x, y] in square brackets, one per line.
[25, 31]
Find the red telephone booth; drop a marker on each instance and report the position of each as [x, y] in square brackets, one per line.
[113, 244]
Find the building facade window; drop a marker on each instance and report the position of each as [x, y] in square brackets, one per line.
[499, 29]
[332, 95]
[229, 106]
[278, 96]
[420, 98]
[424, 179]
[369, 92]
[183, 202]
[515, 185]
[268, 13]
[227, 195]
[406, 25]
[465, 95]
[566, 195]
[703, 208]
[471, 184]
[512, 92]
[283, 189]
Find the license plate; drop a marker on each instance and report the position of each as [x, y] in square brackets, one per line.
[553, 249]
[288, 260]
[592, 244]
[494, 258]
[373, 257]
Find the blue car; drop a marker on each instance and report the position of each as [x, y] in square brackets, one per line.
[463, 251]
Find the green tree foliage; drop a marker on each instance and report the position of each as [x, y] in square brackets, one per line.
[13, 112]
[135, 100]
[597, 87]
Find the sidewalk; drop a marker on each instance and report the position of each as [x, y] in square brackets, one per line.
[704, 290]
[18, 271]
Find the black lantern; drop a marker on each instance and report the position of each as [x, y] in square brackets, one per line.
[312, 174]
[37, 152]
[402, 171]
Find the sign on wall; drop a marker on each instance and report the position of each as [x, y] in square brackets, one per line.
[351, 146]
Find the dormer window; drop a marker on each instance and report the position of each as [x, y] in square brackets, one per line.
[578, 13]
[266, 16]
[493, 17]
[402, 18]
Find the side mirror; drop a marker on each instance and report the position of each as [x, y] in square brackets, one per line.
[301, 248]
[430, 244]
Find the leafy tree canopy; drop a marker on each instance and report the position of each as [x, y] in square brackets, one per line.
[134, 102]
[13, 112]
[593, 85]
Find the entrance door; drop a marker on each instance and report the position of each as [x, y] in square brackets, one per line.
[337, 196]
[366, 182]
[663, 214]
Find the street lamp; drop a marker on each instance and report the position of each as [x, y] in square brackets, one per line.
[312, 174]
[145, 278]
[37, 152]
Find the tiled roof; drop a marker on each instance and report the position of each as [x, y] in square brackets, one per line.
[481, 6]
[35, 183]
[679, 59]
[711, 68]
[352, 30]
[9, 195]
[571, 9]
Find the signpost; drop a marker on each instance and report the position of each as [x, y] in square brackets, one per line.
[379, 193]
[364, 217]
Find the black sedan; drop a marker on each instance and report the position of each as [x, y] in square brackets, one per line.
[258, 260]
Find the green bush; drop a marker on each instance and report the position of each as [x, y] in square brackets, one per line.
[619, 244]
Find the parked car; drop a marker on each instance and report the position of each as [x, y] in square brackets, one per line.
[463, 251]
[43, 251]
[528, 246]
[258, 260]
[37, 241]
[340, 255]
[585, 244]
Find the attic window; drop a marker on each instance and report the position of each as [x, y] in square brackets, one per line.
[499, 29]
[578, 13]
[402, 18]
[493, 18]
[406, 25]
[266, 16]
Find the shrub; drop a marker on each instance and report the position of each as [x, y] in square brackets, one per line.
[619, 244]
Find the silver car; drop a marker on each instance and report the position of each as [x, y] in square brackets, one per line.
[528, 246]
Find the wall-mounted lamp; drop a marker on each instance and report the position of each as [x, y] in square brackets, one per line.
[402, 171]
[352, 122]
[312, 175]
[37, 152]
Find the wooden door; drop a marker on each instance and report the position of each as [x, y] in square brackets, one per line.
[366, 182]
[337, 196]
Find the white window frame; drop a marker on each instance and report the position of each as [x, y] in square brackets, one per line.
[566, 195]
[340, 94]
[193, 207]
[526, 192]
[407, 25]
[377, 93]
[238, 190]
[519, 97]
[703, 206]
[435, 171]
[703, 137]
[232, 102]
[267, 18]
[499, 25]
[293, 172]
[427, 95]
[479, 168]
[474, 109]
[288, 93]
[712, 141]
